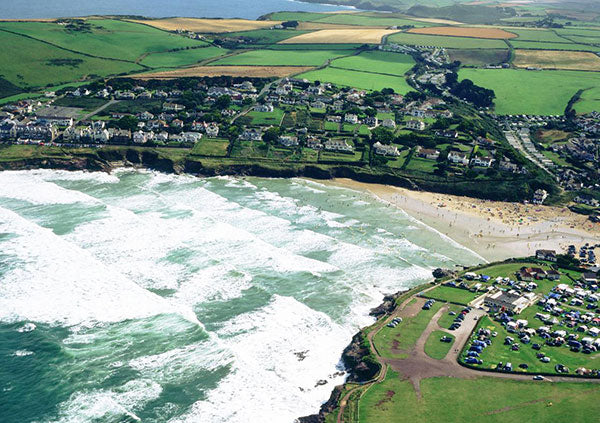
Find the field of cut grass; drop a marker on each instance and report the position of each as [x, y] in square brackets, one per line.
[206, 25]
[550, 59]
[363, 80]
[446, 42]
[108, 38]
[282, 58]
[175, 59]
[28, 63]
[590, 101]
[296, 16]
[266, 118]
[461, 31]
[534, 45]
[435, 348]
[533, 92]
[377, 62]
[341, 36]
[491, 400]
[211, 147]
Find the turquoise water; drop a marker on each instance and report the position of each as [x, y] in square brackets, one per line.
[139, 296]
[155, 8]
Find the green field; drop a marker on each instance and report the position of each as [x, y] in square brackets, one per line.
[535, 92]
[364, 80]
[479, 57]
[173, 59]
[534, 45]
[482, 399]
[537, 35]
[296, 16]
[266, 118]
[589, 101]
[29, 63]
[354, 19]
[266, 36]
[421, 165]
[108, 38]
[281, 58]
[404, 336]
[435, 348]
[447, 42]
[451, 294]
[211, 147]
[377, 62]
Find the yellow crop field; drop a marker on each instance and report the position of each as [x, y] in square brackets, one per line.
[248, 71]
[473, 32]
[341, 36]
[550, 59]
[207, 25]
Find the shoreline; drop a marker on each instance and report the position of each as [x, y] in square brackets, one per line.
[493, 229]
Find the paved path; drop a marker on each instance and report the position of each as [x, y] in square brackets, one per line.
[98, 110]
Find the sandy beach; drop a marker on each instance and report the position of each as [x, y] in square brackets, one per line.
[495, 230]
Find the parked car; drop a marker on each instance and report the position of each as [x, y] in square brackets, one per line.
[538, 377]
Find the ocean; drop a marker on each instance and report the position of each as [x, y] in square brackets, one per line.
[31, 9]
[140, 296]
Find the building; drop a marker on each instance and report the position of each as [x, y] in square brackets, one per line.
[458, 158]
[338, 145]
[510, 301]
[427, 153]
[251, 134]
[212, 130]
[264, 108]
[288, 141]
[539, 196]
[313, 142]
[549, 255]
[389, 123]
[351, 118]
[482, 161]
[385, 150]
[415, 125]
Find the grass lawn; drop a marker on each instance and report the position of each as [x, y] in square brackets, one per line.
[451, 294]
[30, 63]
[266, 118]
[331, 126]
[249, 149]
[405, 335]
[446, 42]
[173, 59]
[330, 156]
[590, 100]
[108, 38]
[535, 92]
[483, 399]
[378, 62]
[422, 165]
[281, 58]
[364, 80]
[447, 319]
[354, 19]
[211, 147]
[435, 348]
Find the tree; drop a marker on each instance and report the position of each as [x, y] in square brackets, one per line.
[223, 102]
[128, 122]
[371, 112]
[387, 91]
[271, 135]
[290, 24]
[382, 135]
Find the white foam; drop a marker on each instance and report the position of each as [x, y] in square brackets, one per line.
[22, 353]
[265, 343]
[27, 327]
[59, 283]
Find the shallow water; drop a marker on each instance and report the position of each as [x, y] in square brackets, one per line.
[165, 298]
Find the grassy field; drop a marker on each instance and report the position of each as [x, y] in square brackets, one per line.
[108, 38]
[266, 118]
[405, 335]
[364, 80]
[282, 58]
[211, 147]
[550, 59]
[354, 19]
[266, 36]
[174, 59]
[248, 71]
[451, 294]
[341, 36]
[548, 36]
[435, 348]
[377, 61]
[461, 31]
[447, 42]
[534, 92]
[590, 100]
[296, 16]
[483, 399]
[535, 45]
[28, 63]
[479, 57]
